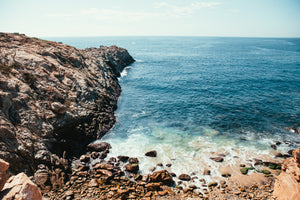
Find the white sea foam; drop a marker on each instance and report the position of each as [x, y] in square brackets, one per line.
[187, 154]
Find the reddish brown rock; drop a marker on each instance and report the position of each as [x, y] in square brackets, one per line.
[184, 177]
[3, 173]
[20, 187]
[153, 186]
[162, 176]
[134, 168]
[287, 185]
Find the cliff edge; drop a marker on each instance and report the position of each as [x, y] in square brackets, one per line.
[287, 185]
[54, 99]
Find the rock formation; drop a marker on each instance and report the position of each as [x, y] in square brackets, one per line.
[18, 187]
[54, 99]
[287, 185]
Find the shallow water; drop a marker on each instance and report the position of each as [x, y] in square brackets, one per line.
[191, 98]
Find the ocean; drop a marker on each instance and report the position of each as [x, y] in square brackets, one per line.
[191, 98]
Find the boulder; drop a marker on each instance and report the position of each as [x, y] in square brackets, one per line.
[134, 168]
[184, 177]
[20, 187]
[101, 146]
[152, 153]
[162, 176]
[123, 158]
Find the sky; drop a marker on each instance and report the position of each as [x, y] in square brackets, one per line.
[229, 18]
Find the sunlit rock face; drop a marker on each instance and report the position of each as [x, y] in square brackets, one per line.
[54, 99]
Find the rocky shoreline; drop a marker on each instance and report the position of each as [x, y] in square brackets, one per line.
[55, 100]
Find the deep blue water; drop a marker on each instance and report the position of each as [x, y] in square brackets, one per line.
[244, 91]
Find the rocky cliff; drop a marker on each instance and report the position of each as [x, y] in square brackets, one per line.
[54, 99]
[287, 185]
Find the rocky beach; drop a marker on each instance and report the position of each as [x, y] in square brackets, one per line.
[56, 100]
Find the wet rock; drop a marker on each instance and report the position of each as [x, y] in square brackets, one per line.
[168, 164]
[159, 164]
[172, 174]
[277, 142]
[103, 155]
[206, 172]
[133, 160]
[184, 177]
[84, 158]
[273, 146]
[279, 155]
[134, 168]
[152, 153]
[99, 147]
[244, 170]
[290, 152]
[21, 187]
[113, 159]
[162, 176]
[257, 161]
[265, 171]
[217, 159]
[212, 184]
[95, 155]
[226, 174]
[152, 169]
[123, 158]
[242, 165]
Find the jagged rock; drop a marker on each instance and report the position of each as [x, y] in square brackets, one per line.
[151, 153]
[20, 187]
[162, 176]
[55, 99]
[287, 185]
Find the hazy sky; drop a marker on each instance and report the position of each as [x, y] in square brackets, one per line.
[249, 18]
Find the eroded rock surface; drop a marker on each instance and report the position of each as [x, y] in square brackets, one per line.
[287, 185]
[54, 99]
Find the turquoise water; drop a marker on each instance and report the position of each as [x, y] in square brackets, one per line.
[190, 98]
